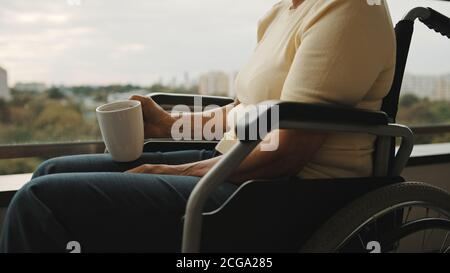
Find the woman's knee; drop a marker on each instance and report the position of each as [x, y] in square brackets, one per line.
[25, 199]
[69, 164]
[36, 198]
[30, 225]
[47, 167]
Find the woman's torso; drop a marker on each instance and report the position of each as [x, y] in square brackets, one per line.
[264, 75]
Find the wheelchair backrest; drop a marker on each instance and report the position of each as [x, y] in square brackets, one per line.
[404, 32]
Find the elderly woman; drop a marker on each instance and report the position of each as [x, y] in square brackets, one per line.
[313, 51]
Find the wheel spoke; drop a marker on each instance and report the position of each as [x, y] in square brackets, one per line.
[376, 230]
[429, 236]
[406, 222]
[395, 245]
[425, 231]
[407, 214]
[361, 240]
[395, 217]
[423, 239]
[444, 243]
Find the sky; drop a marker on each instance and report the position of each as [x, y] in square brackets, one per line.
[98, 42]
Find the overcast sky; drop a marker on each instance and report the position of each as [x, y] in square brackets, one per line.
[139, 41]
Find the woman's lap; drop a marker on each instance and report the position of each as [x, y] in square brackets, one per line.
[104, 211]
[103, 162]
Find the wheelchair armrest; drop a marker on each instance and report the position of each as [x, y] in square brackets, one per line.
[276, 113]
[167, 99]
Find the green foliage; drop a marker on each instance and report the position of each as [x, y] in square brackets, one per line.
[158, 88]
[61, 122]
[55, 93]
[19, 166]
[5, 115]
[55, 115]
[58, 115]
[165, 89]
[414, 111]
[424, 112]
[21, 97]
[408, 100]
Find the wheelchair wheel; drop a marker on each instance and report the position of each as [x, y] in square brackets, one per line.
[404, 217]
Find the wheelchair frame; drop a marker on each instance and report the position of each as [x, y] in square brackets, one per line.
[312, 117]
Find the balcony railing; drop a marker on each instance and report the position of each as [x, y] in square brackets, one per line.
[431, 130]
[47, 150]
[14, 151]
[423, 155]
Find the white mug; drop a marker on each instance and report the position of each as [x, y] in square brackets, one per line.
[122, 127]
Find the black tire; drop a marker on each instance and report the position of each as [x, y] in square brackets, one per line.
[346, 221]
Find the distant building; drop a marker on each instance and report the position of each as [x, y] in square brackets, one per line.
[443, 89]
[30, 87]
[173, 83]
[214, 83]
[186, 81]
[5, 93]
[423, 86]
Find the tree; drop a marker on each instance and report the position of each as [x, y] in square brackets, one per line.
[158, 88]
[5, 114]
[408, 100]
[62, 122]
[23, 165]
[55, 93]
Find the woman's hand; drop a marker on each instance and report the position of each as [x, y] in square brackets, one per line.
[199, 168]
[158, 169]
[157, 122]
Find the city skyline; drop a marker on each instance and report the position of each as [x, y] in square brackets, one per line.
[216, 82]
[99, 42]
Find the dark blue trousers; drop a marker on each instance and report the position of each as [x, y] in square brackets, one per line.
[88, 199]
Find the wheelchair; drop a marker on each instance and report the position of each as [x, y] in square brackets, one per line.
[321, 215]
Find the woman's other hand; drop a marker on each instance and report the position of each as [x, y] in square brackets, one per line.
[157, 121]
[160, 169]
